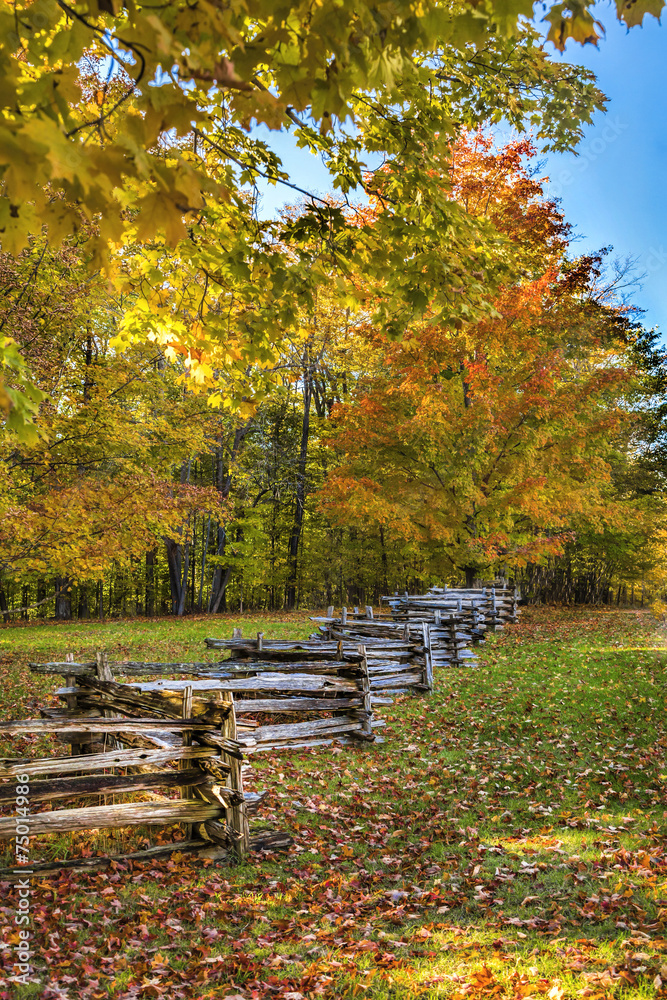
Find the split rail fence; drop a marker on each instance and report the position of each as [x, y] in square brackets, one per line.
[188, 726]
[440, 627]
[123, 741]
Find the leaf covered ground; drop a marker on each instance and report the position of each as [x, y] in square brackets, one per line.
[507, 841]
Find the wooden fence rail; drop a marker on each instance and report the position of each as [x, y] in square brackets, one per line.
[186, 727]
[440, 626]
[149, 742]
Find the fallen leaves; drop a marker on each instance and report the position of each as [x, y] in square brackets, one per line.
[401, 882]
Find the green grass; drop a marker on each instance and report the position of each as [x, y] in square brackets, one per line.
[507, 840]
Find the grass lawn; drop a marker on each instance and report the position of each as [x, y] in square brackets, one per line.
[506, 841]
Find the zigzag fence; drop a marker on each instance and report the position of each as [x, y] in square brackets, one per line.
[186, 727]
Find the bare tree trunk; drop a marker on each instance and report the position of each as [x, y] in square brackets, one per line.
[205, 537]
[151, 563]
[300, 506]
[385, 582]
[178, 561]
[83, 611]
[88, 380]
[63, 597]
[184, 580]
[221, 590]
[224, 484]
[4, 608]
[178, 556]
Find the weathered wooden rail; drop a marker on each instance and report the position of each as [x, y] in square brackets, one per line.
[124, 741]
[396, 663]
[334, 683]
[481, 609]
[331, 691]
[440, 627]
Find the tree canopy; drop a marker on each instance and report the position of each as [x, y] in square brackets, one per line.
[387, 371]
[138, 124]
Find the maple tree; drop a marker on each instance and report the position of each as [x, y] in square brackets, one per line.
[138, 122]
[94, 487]
[491, 441]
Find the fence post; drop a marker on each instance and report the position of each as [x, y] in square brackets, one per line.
[428, 662]
[72, 703]
[367, 727]
[453, 640]
[186, 713]
[237, 816]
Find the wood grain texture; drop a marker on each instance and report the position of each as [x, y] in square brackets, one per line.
[119, 815]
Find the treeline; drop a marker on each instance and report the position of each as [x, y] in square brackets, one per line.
[526, 444]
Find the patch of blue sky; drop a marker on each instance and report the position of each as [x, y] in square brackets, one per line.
[612, 191]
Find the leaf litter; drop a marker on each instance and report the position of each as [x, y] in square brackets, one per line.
[507, 840]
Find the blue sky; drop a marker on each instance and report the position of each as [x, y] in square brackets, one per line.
[613, 190]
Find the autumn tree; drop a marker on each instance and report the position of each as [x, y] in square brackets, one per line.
[95, 486]
[139, 122]
[490, 441]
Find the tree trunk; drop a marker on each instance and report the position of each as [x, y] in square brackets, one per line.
[41, 596]
[385, 581]
[224, 485]
[63, 598]
[178, 556]
[88, 381]
[151, 564]
[205, 537]
[184, 580]
[300, 506]
[83, 611]
[178, 561]
[3, 606]
[213, 609]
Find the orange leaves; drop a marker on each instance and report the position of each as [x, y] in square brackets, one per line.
[491, 440]
[482, 983]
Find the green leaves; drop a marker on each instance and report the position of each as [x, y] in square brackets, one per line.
[19, 398]
[138, 125]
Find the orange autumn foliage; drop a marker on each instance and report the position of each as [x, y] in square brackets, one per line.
[490, 443]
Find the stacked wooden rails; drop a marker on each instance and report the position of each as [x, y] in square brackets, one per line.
[326, 695]
[394, 663]
[338, 682]
[479, 610]
[441, 625]
[444, 643]
[123, 742]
